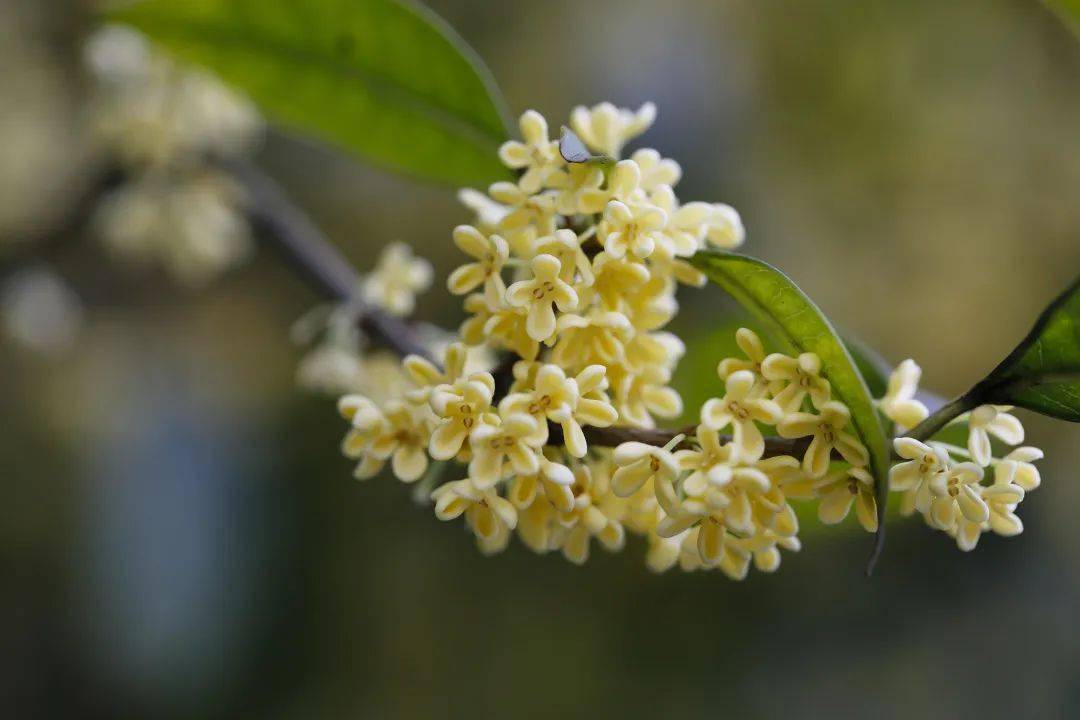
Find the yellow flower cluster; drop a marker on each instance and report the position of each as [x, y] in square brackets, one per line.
[571, 274]
[948, 484]
[159, 123]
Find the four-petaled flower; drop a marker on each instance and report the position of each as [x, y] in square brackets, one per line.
[637, 463]
[987, 420]
[840, 490]
[489, 516]
[827, 431]
[514, 440]
[899, 403]
[538, 295]
[491, 253]
[538, 155]
[739, 408]
[799, 377]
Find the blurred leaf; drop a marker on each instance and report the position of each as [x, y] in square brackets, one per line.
[1043, 372]
[798, 323]
[1068, 11]
[387, 79]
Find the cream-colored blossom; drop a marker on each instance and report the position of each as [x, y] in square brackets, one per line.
[634, 229]
[536, 154]
[398, 277]
[490, 254]
[513, 442]
[740, 408]
[606, 128]
[827, 431]
[461, 408]
[586, 519]
[489, 516]
[923, 463]
[899, 403]
[840, 490]
[538, 294]
[402, 437]
[1017, 467]
[754, 350]
[798, 377]
[565, 246]
[987, 420]
[637, 463]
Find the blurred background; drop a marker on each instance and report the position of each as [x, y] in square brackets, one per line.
[180, 537]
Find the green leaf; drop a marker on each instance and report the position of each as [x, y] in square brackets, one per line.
[798, 323]
[1068, 11]
[1043, 372]
[386, 79]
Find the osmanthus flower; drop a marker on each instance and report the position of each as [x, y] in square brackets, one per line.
[551, 483]
[987, 420]
[513, 442]
[899, 403]
[723, 227]
[538, 294]
[710, 464]
[1018, 467]
[461, 408]
[507, 327]
[488, 213]
[639, 396]
[398, 277]
[740, 408]
[367, 422]
[568, 402]
[402, 438]
[958, 491]
[754, 350]
[596, 337]
[538, 155]
[653, 349]
[828, 433]
[637, 463]
[912, 478]
[528, 216]
[490, 253]
[576, 187]
[575, 527]
[799, 377]
[426, 376]
[616, 280]
[656, 170]
[565, 246]
[840, 490]
[1001, 500]
[606, 128]
[489, 516]
[635, 228]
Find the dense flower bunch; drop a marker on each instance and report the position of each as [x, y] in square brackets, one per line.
[572, 271]
[159, 123]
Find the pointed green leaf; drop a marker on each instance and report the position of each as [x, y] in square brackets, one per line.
[798, 323]
[1043, 372]
[386, 79]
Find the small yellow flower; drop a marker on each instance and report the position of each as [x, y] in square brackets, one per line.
[899, 403]
[751, 345]
[1017, 467]
[987, 420]
[639, 396]
[617, 279]
[577, 187]
[528, 216]
[565, 246]
[491, 253]
[634, 228]
[397, 279]
[537, 155]
[489, 516]
[827, 430]
[461, 408]
[840, 490]
[514, 441]
[597, 337]
[403, 438]
[637, 463]
[913, 477]
[552, 480]
[539, 294]
[958, 506]
[739, 408]
[656, 170]
[586, 519]
[606, 128]
[1001, 501]
[508, 327]
[799, 378]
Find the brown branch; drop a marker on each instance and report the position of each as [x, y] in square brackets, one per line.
[289, 230]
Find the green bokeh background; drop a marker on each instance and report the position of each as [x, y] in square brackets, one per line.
[181, 539]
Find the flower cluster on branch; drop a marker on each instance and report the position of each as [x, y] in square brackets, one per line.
[571, 274]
